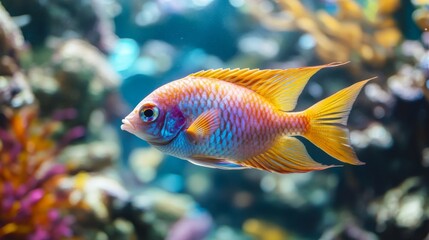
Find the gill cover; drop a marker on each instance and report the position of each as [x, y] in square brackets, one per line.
[174, 121]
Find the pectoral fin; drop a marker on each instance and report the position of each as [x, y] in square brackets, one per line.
[204, 125]
[211, 162]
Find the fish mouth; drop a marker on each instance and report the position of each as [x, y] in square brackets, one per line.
[127, 125]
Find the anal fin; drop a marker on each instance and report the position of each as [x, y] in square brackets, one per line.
[287, 155]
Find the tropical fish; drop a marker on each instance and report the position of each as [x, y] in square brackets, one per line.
[242, 118]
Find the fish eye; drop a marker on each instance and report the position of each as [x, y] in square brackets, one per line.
[149, 113]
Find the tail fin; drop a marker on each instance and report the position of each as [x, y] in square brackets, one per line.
[328, 119]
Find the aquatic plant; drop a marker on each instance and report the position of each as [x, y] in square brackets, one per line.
[31, 204]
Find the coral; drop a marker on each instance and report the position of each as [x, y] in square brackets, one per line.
[405, 206]
[14, 89]
[104, 197]
[11, 42]
[31, 204]
[263, 230]
[40, 198]
[54, 20]
[344, 31]
[89, 156]
[411, 81]
[171, 215]
[408, 83]
[348, 229]
[421, 14]
[77, 82]
[144, 163]
[191, 227]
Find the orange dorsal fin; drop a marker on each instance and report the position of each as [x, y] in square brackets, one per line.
[287, 155]
[204, 125]
[281, 87]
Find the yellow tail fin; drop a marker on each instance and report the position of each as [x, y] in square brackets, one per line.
[328, 120]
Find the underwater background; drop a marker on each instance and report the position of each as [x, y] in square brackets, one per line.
[70, 70]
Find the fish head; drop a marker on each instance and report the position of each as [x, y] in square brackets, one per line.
[155, 121]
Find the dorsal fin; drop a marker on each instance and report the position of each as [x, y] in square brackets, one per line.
[279, 86]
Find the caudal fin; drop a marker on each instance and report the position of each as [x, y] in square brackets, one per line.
[328, 120]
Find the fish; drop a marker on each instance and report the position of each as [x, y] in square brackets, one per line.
[244, 118]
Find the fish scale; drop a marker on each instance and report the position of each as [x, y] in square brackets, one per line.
[241, 132]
